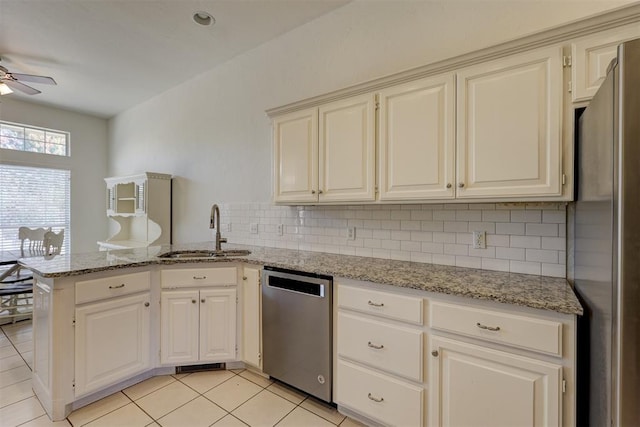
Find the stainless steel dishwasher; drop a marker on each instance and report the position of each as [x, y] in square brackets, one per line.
[297, 330]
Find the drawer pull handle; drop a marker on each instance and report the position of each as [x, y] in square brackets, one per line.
[377, 347]
[375, 399]
[117, 286]
[199, 277]
[375, 304]
[488, 328]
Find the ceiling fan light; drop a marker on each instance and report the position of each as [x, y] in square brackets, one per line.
[203, 18]
[4, 89]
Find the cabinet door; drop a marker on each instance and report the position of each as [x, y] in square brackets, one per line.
[295, 138]
[251, 316]
[347, 150]
[180, 323]
[591, 55]
[417, 137]
[508, 129]
[112, 342]
[217, 325]
[473, 385]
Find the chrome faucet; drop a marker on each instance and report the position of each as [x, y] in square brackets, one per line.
[214, 222]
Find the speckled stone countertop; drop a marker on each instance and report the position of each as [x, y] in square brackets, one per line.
[540, 292]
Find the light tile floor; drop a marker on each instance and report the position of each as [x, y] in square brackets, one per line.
[214, 398]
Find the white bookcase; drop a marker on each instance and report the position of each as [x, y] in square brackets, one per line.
[140, 209]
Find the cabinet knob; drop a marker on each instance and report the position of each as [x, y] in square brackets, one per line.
[146, 304]
[448, 185]
[434, 353]
[202, 300]
[244, 277]
[319, 191]
[193, 301]
[461, 185]
[313, 191]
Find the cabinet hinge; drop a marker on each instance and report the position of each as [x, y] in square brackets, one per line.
[569, 86]
[564, 179]
[259, 356]
[376, 189]
[377, 101]
[564, 386]
[73, 383]
[566, 61]
[73, 322]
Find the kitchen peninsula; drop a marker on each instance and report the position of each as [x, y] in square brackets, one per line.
[83, 302]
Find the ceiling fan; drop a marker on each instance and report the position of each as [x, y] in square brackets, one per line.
[14, 81]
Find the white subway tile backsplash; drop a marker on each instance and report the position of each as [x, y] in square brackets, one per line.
[550, 230]
[468, 262]
[521, 237]
[510, 228]
[554, 270]
[526, 216]
[525, 267]
[531, 242]
[542, 255]
[510, 253]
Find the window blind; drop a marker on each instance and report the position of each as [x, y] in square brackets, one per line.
[33, 197]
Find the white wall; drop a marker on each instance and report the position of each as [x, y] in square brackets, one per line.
[88, 164]
[212, 134]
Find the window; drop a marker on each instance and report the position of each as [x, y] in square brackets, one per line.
[32, 139]
[33, 197]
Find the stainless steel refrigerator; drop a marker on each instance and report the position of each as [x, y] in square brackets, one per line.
[604, 250]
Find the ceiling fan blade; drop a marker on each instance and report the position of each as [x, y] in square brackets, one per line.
[13, 84]
[34, 79]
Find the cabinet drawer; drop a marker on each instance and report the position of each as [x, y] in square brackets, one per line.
[385, 304]
[391, 348]
[378, 396]
[519, 331]
[190, 277]
[125, 284]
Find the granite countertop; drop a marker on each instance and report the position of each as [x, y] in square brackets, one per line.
[547, 293]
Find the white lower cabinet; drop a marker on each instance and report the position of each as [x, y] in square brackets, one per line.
[197, 326]
[474, 385]
[112, 341]
[198, 315]
[380, 360]
[251, 317]
[470, 363]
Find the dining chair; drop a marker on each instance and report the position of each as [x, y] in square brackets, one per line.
[16, 289]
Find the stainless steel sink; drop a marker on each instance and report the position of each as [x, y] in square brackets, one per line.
[205, 254]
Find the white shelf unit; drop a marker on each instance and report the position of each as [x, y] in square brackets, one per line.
[140, 209]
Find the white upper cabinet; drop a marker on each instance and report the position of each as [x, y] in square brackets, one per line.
[295, 139]
[508, 127]
[591, 55]
[416, 132]
[347, 150]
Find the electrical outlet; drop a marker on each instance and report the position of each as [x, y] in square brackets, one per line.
[229, 227]
[479, 240]
[253, 228]
[280, 229]
[351, 233]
